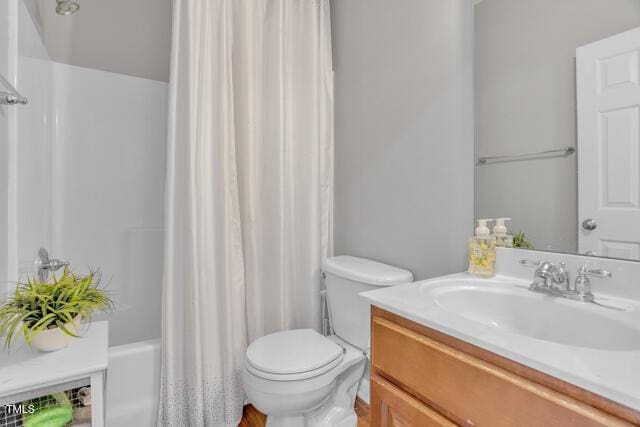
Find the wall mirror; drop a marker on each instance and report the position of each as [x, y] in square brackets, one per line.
[557, 123]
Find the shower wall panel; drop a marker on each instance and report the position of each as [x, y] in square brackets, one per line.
[82, 171]
[34, 144]
[108, 188]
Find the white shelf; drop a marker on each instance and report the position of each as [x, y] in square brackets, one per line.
[23, 368]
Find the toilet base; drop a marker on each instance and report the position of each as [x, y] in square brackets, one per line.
[336, 411]
[285, 421]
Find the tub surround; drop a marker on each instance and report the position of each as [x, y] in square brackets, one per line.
[134, 384]
[608, 372]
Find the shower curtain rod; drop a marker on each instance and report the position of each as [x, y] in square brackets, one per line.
[13, 96]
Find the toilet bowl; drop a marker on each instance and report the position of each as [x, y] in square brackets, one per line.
[300, 378]
[313, 383]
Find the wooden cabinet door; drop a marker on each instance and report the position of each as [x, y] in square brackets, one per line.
[470, 391]
[391, 407]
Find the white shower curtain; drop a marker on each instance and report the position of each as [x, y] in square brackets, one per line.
[249, 190]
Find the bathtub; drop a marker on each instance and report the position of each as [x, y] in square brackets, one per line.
[133, 384]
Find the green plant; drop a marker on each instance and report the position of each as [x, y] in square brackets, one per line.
[521, 241]
[37, 306]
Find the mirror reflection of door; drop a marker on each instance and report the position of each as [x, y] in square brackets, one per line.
[608, 98]
[557, 123]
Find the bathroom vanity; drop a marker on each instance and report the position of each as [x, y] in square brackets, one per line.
[490, 352]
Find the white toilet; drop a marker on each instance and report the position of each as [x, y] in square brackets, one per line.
[301, 378]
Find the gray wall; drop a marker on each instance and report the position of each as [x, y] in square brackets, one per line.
[122, 36]
[525, 101]
[403, 132]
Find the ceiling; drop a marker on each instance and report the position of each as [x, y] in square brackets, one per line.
[123, 36]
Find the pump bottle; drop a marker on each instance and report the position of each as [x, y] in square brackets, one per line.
[503, 239]
[482, 251]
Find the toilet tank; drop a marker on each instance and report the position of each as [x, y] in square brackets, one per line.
[345, 277]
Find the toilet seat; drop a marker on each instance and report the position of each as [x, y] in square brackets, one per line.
[293, 355]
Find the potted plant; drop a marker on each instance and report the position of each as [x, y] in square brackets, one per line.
[48, 314]
[521, 241]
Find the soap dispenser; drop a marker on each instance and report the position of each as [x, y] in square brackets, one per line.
[482, 251]
[503, 239]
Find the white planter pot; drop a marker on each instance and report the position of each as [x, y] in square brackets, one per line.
[55, 339]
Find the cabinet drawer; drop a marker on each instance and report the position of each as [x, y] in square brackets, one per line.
[471, 391]
[391, 407]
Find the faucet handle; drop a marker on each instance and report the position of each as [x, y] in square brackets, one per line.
[583, 284]
[45, 265]
[602, 274]
[530, 263]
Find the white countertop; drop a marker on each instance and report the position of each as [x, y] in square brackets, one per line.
[612, 374]
[24, 368]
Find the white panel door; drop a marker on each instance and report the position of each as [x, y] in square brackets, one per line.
[608, 96]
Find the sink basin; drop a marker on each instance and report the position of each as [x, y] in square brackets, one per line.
[520, 311]
[595, 346]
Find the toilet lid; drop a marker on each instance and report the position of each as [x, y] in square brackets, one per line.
[292, 352]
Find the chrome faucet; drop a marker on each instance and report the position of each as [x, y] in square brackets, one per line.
[552, 279]
[45, 265]
[582, 287]
[548, 276]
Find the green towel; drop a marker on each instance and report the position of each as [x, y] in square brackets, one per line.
[50, 416]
